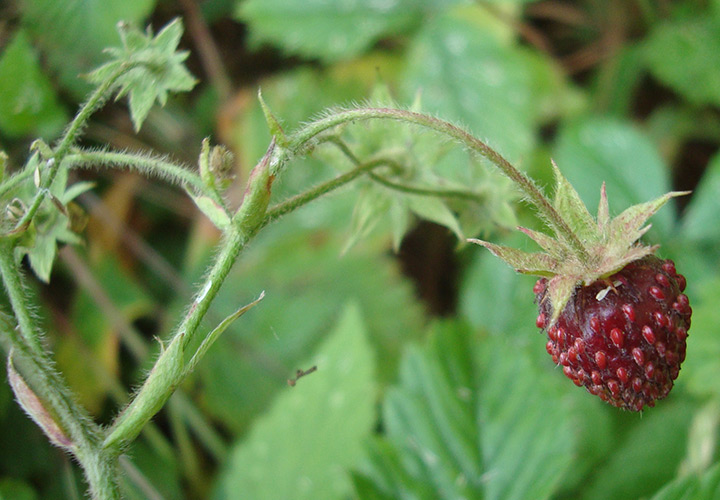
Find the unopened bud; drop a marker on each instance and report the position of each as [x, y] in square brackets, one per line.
[32, 405]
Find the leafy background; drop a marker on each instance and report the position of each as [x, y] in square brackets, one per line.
[433, 381]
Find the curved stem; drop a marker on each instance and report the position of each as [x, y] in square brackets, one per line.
[298, 140]
[148, 165]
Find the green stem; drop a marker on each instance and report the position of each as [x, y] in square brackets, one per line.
[297, 142]
[93, 103]
[80, 436]
[18, 296]
[147, 165]
[440, 193]
[301, 199]
[169, 368]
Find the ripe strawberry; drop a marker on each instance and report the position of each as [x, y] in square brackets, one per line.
[622, 337]
[614, 313]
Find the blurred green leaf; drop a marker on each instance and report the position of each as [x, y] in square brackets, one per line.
[495, 298]
[302, 447]
[74, 33]
[28, 104]
[470, 421]
[694, 487]
[469, 69]
[593, 150]
[701, 370]
[331, 30]
[700, 222]
[648, 454]
[12, 489]
[306, 282]
[685, 54]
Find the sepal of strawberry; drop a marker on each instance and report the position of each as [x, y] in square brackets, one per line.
[615, 315]
[607, 245]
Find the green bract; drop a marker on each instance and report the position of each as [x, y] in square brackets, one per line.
[609, 244]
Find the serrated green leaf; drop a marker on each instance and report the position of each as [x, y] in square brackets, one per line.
[28, 104]
[571, 208]
[633, 470]
[327, 29]
[74, 33]
[468, 70]
[157, 69]
[305, 444]
[458, 432]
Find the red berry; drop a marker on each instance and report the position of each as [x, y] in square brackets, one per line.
[627, 331]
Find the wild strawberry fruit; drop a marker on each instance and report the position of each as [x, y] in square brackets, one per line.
[615, 314]
[622, 337]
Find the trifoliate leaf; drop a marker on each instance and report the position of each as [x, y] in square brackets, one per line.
[155, 68]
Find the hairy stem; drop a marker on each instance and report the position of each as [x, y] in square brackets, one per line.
[75, 432]
[71, 135]
[297, 142]
[148, 165]
[301, 199]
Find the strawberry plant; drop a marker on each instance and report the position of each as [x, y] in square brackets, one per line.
[319, 170]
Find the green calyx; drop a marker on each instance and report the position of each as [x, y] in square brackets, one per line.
[608, 244]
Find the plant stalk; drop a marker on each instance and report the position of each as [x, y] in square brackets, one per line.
[93, 103]
[297, 142]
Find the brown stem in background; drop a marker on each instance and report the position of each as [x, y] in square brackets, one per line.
[207, 49]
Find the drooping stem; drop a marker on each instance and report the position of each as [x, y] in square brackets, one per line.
[297, 141]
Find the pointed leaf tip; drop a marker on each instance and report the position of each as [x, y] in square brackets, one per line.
[571, 208]
[273, 124]
[603, 213]
[539, 264]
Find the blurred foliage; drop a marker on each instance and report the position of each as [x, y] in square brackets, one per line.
[402, 405]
